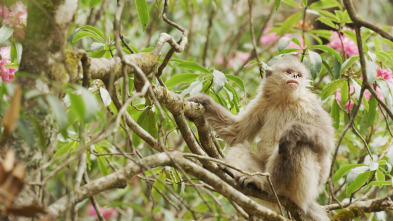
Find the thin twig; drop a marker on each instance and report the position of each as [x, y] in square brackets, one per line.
[254, 43]
[209, 28]
[127, 46]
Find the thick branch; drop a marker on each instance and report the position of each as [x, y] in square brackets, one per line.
[361, 207]
[102, 68]
[119, 180]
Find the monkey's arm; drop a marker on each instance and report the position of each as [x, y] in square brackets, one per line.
[233, 129]
[218, 117]
[319, 139]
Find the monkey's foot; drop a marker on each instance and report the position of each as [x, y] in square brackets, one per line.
[255, 182]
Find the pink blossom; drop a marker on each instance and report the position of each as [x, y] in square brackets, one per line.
[242, 56]
[367, 94]
[268, 38]
[239, 57]
[108, 212]
[4, 12]
[17, 19]
[350, 47]
[295, 46]
[5, 53]
[6, 74]
[385, 74]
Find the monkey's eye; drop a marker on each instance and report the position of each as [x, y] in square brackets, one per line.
[299, 75]
[289, 72]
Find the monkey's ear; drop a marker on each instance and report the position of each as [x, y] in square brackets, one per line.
[268, 72]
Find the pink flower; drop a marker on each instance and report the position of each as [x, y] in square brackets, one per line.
[5, 53]
[242, 56]
[4, 12]
[239, 57]
[6, 74]
[350, 47]
[268, 38]
[385, 74]
[107, 213]
[17, 18]
[367, 94]
[295, 46]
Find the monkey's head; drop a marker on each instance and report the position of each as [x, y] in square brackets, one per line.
[288, 74]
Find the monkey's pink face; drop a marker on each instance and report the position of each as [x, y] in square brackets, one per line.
[293, 78]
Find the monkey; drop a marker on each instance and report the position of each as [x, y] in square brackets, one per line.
[292, 133]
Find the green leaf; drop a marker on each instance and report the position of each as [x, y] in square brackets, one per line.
[343, 170]
[344, 94]
[195, 87]
[372, 111]
[324, 4]
[84, 104]
[91, 103]
[380, 183]
[102, 165]
[380, 176]
[304, 2]
[83, 34]
[94, 3]
[95, 31]
[327, 22]
[296, 41]
[283, 43]
[237, 80]
[315, 64]
[149, 49]
[331, 88]
[328, 68]
[105, 97]
[97, 54]
[289, 23]
[143, 13]
[219, 80]
[14, 54]
[181, 78]
[336, 68]
[349, 62]
[192, 65]
[335, 114]
[65, 148]
[330, 50]
[371, 71]
[277, 3]
[358, 182]
[58, 111]
[5, 33]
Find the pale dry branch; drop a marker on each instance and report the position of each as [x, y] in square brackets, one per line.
[119, 180]
[164, 37]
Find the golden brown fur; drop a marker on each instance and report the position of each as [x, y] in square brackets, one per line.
[293, 136]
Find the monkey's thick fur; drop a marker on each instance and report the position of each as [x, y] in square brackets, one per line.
[295, 135]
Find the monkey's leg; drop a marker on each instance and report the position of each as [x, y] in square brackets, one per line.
[240, 156]
[295, 174]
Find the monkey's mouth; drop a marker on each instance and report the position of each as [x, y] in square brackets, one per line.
[292, 83]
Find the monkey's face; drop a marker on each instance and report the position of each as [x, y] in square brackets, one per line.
[293, 78]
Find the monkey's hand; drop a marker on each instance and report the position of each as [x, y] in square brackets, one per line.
[203, 99]
[291, 137]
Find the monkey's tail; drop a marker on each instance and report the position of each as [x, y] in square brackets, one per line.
[317, 212]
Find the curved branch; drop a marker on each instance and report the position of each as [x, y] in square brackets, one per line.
[351, 11]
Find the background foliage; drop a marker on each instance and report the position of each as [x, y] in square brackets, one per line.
[218, 60]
